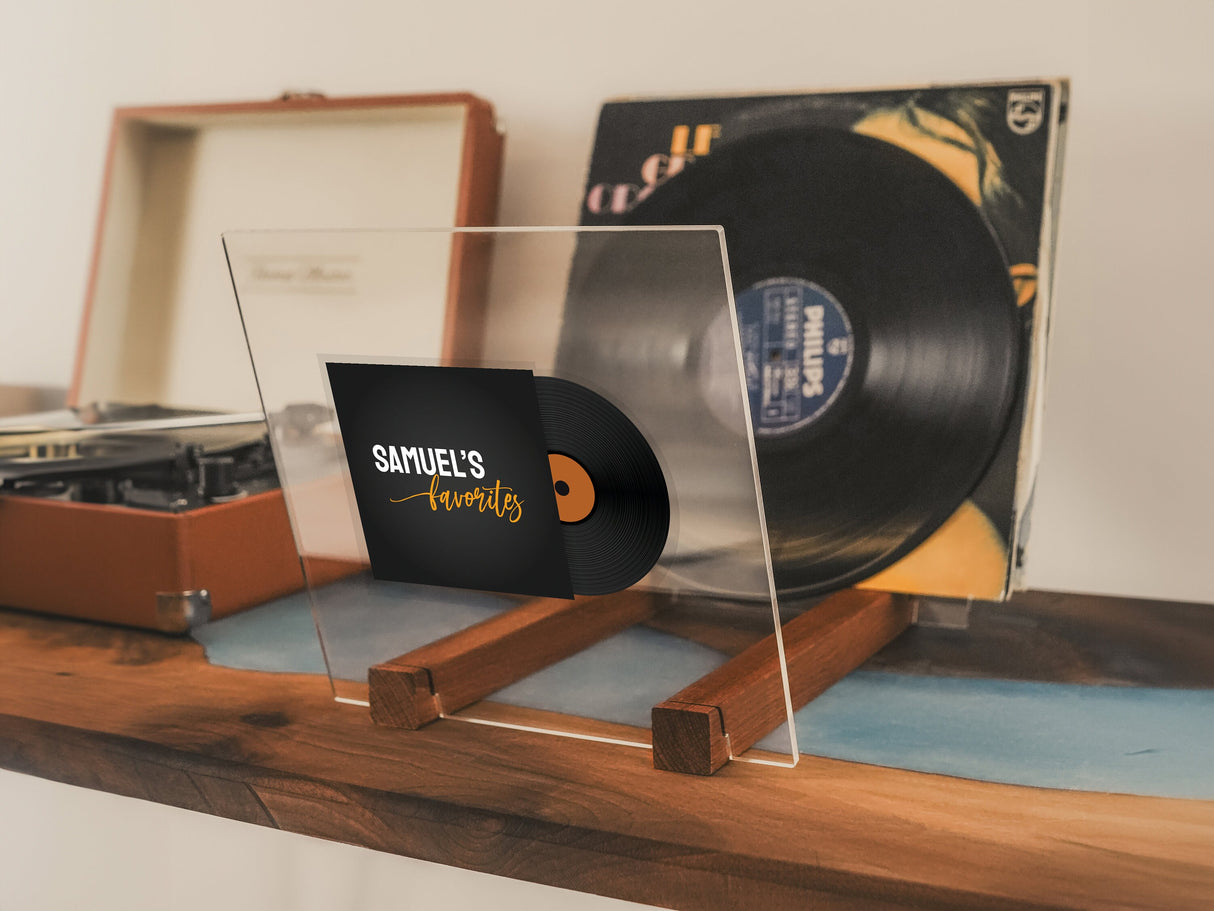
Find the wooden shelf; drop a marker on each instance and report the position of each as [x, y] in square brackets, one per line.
[145, 716]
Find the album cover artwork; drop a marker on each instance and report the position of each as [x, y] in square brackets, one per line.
[450, 470]
[494, 479]
[891, 255]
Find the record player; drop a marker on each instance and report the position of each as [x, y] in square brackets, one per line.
[153, 500]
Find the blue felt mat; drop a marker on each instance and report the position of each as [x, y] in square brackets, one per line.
[1099, 738]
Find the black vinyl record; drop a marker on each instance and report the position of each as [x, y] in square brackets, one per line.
[880, 336]
[617, 526]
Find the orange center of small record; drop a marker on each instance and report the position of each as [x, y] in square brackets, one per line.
[573, 487]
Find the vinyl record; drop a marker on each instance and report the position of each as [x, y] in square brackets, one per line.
[879, 333]
[611, 494]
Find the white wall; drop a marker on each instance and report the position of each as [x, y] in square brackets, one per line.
[1126, 496]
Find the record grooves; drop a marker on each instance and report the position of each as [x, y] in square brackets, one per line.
[841, 226]
[617, 538]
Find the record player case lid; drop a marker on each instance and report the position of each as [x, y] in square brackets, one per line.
[160, 322]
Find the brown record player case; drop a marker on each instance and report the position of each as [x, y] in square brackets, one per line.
[161, 326]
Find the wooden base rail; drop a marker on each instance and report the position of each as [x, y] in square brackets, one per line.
[695, 731]
[730, 709]
[457, 670]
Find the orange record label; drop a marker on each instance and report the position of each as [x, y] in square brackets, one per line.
[573, 487]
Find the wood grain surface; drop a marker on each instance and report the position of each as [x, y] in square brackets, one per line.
[141, 715]
[1067, 638]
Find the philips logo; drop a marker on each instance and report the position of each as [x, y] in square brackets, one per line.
[811, 352]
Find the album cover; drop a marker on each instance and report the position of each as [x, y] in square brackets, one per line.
[891, 254]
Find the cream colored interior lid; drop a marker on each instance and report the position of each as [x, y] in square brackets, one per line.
[163, 325]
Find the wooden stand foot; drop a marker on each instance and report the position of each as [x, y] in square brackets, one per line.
[453, 672]
[729, 710]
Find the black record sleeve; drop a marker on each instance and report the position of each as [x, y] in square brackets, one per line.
[450, 472]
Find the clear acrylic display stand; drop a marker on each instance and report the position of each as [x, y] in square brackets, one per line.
[643, 317]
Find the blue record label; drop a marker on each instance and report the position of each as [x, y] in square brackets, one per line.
[798, 347]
